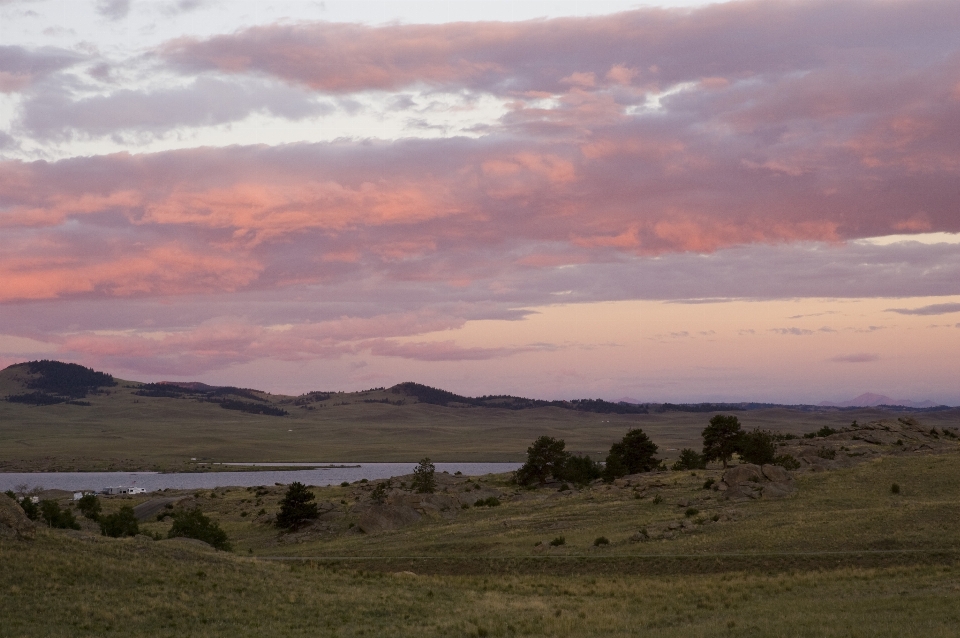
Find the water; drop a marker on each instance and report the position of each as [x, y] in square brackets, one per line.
[152, 481]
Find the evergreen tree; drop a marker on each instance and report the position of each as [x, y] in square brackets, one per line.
[633, 454]
[545, 458]
[296, 508]
[721, 439]
[424, 481]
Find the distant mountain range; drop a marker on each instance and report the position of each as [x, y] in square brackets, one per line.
[871, 399]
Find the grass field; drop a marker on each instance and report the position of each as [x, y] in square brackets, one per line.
[123, 431]
[843, 556]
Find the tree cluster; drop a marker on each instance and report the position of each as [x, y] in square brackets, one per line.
[723, 438]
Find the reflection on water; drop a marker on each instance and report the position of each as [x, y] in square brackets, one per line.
[333, 474]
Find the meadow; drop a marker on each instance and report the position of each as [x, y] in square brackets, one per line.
[842, 556]
[121, 430]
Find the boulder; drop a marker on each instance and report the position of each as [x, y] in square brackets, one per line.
[776, 474]
[13, 522]
[745, 473]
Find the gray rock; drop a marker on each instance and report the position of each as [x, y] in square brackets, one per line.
[776, 474]
[13, 522]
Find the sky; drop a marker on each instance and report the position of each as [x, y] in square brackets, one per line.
[742, 201]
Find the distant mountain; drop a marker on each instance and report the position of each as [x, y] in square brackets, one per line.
[871, 399]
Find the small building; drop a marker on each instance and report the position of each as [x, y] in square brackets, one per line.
[77, 496]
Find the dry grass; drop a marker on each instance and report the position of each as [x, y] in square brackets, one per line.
[801, 566]
[121, 431]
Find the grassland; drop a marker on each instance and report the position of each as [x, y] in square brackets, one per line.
[843, 556]
[120, 430]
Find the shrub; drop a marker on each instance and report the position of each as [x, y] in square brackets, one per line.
[689, 460]
[545, 458]
[895, 488]
[631, 455]
[492, 501]
[657, 499]
[757, 447]
[827, 454]
[564, 488]
[379, 493]
[424, 479]
[691, 511]
[580, 470]
[345, 484]
[787, 462]
[601, 540]
[193, 524]
[89, 506]
[55, 517]
[120, 523]
[296, 508]
[558, 541]
[721, 438]
[708, 483]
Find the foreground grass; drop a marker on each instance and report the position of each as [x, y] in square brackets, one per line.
[843, 557]
[61, 586]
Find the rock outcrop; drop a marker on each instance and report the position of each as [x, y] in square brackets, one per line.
[755, 481]
[13, 522]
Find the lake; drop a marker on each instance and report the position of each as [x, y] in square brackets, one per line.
[335, 474]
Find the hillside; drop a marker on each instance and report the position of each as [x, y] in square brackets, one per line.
[98, 422]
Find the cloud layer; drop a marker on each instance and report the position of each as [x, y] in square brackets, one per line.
[728, 151]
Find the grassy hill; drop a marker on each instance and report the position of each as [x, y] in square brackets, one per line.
[842, 556]
[127, 425]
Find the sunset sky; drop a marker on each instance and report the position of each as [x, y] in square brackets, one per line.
[750, 200]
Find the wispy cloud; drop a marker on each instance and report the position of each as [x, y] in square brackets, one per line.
[933, 309]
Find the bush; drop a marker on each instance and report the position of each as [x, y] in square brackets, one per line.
[708, 483]
[120, 523]
[895, 488]
[424, 479]
[55, 517]
[193, 524]
[296, 508]
[721, 439]
[657, 499]
[492, 501]
[757, 447]
[601, 540]
[633, 454]
[379, 493]
[691, 511]
[787, 462]
[558, 541]
[689, 460]
[89, 506]
[827, 454]
[580, 470]
[545, 458]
